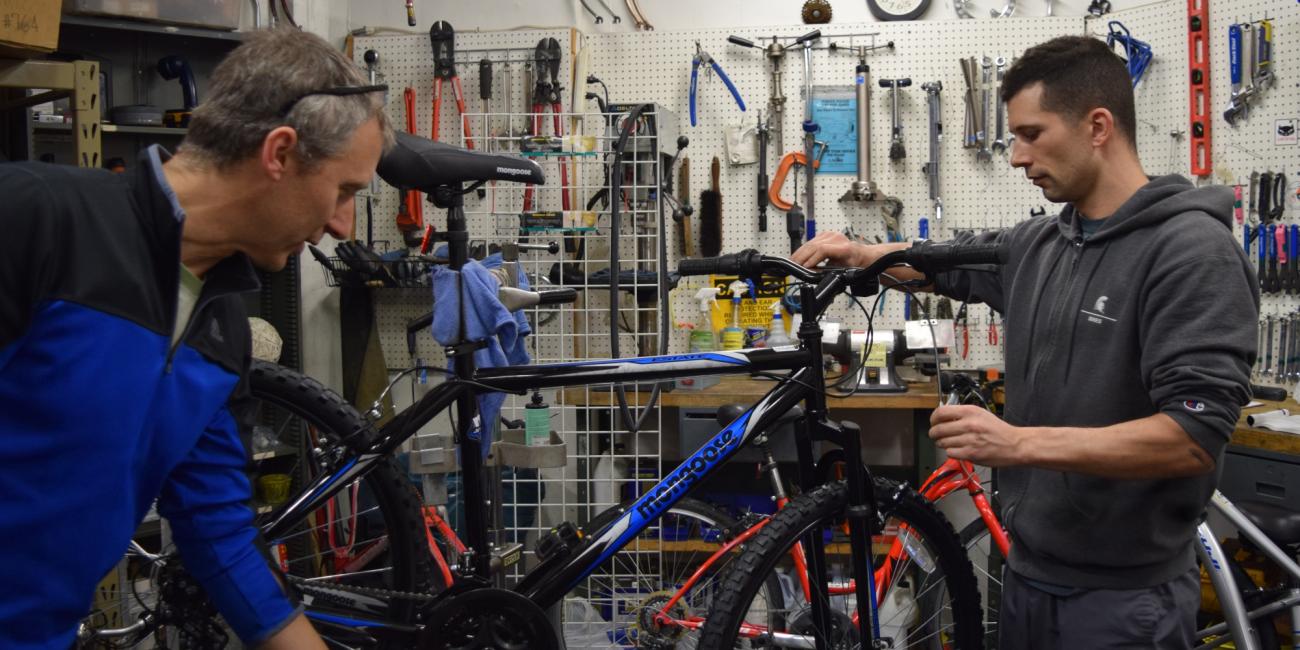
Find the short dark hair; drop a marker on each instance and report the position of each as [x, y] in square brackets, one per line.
[1078, 73]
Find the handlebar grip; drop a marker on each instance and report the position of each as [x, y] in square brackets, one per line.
[564, 296]
[744, 263]
[929, 257]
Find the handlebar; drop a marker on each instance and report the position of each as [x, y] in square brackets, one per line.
[927, 257]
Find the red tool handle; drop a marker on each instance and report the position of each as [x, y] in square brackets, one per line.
[410, 215]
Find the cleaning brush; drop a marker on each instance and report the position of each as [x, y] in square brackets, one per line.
[711, 214]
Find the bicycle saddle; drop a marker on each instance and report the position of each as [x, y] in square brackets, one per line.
[1282, 525]
[416, 163]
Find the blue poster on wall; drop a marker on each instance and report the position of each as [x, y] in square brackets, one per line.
[835, 109]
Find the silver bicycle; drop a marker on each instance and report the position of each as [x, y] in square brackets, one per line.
[1249, 609]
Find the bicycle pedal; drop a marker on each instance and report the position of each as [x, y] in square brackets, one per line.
[505, 556]
[560, 542]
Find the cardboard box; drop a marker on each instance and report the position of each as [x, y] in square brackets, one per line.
[29, 27]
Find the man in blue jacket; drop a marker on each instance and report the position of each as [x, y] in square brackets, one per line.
[1130, 322]
[123, 336]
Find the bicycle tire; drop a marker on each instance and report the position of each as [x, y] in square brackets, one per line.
[711, 529]
[396, 501]
[295, 404]
[824, 508]
[987, 562]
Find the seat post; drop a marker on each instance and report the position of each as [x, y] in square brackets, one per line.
[470, 437]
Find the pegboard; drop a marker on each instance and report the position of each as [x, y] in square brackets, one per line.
[1163, 102]
[975, 195]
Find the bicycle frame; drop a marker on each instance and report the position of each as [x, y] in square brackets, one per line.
[1237, 620]
[954, 475]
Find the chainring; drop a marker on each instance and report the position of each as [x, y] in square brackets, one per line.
[488, 618]
[816, 12]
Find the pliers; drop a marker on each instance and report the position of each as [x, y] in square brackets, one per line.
[703, 58]
[443, 39]
[547, 92]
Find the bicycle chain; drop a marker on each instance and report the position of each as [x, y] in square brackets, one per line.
[306, 585]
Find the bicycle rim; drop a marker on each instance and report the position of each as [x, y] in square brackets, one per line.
[928, 594]
[617, 605]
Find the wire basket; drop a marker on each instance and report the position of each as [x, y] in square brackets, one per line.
[399, 273]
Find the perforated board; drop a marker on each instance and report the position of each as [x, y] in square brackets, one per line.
[975, 195]
[1163, 107]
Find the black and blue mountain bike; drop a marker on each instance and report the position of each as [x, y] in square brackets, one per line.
[383, 591]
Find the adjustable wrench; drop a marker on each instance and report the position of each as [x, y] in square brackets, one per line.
[1000, 144]
[982, 136]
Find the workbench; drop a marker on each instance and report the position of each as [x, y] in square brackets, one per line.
[1261, 464]
[894, 425]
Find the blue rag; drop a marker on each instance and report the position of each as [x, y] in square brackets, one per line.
[485, 319]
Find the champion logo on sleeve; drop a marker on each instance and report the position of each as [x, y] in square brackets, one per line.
[1194, 405]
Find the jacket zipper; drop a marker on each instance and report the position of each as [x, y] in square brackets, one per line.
[185, 333]
[1059, 308]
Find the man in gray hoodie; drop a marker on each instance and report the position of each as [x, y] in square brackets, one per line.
[1130, 323]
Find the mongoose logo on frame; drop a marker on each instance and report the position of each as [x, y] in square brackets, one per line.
[688, 473]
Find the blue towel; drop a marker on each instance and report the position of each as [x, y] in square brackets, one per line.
[485, 319]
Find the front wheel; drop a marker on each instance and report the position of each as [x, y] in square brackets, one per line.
[928, 596]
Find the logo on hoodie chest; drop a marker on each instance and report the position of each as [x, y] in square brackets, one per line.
[1097, 314]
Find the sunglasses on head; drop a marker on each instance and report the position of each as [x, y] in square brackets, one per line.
[338, 91]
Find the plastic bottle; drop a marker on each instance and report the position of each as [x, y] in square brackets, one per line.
[733, 336]
[776, 336]
[702, 339]
[702, 336]
[537, 421]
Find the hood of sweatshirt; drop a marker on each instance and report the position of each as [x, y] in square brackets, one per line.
[1157, 201]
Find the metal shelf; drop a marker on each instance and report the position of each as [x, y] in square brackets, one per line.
[80, 79]
[122, 24]
[115, 128]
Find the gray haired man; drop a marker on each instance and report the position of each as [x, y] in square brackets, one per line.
[120, 295]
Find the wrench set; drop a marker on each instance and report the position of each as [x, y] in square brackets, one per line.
[1250, 66]
[983, 78]
[1279, 348]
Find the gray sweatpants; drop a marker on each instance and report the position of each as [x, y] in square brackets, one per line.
[1160, 617]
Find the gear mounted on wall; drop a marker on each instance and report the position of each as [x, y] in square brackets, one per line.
[816, 12]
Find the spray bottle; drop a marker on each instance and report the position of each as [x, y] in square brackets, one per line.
[776, 336]
[702, 339]
[733, 335]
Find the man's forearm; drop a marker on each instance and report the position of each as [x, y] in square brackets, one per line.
[297, 635]
[1146, 448]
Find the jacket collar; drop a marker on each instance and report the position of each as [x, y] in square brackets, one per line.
[162, 220]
